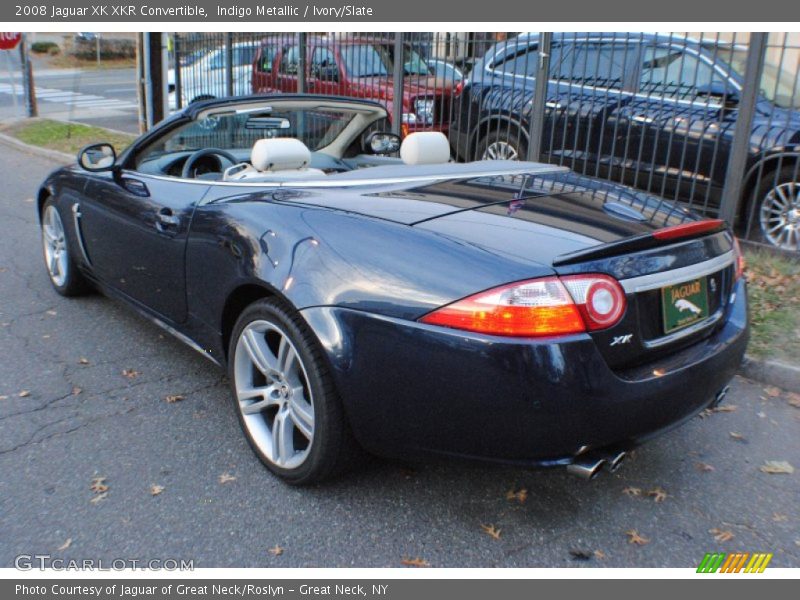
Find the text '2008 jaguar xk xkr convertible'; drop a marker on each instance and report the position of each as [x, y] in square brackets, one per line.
[409, 306]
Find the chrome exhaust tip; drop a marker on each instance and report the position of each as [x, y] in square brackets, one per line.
[614, 461]
[586, 467]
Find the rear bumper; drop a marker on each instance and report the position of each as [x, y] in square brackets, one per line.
[414, 390]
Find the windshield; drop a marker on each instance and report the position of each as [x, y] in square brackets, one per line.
[376, 60]
[237, 132]
[779, 85]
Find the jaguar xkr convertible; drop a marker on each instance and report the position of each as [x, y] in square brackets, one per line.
[365, 293]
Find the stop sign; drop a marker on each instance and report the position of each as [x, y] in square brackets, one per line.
[9, 40]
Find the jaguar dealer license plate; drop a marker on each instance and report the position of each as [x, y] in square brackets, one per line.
[684, 304]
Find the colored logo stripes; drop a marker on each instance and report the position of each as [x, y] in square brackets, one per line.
[737, 562]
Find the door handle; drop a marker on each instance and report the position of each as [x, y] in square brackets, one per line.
[166, 220]
[135, 187]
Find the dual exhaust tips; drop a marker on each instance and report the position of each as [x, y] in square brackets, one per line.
[590, 464]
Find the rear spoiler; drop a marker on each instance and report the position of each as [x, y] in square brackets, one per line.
[643, 241]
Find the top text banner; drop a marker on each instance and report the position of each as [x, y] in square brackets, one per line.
[450, 11]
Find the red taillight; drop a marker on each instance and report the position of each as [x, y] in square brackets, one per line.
[537, 308]
[687, 229]
[738, 257]
[459, 88]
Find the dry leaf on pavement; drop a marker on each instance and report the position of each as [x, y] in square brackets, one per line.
[52, 313]
[415, 562]
[491, 531]
[276, 550]
[76, 391]
[172, 398]
[24, 394]
[721, 535]
[725, 408]
[66, 544]
[658, 494]
[772, 391]
[704, 467]
[226, 477]
[793, 399]
[130, 373]
[779, 518]
[599, 554]
[737, 436]
[99, 485]
[520, 495]
[83, 361]
[98, 498]
[777, 467]
[634, 537]
[632, 491]
[156, 489]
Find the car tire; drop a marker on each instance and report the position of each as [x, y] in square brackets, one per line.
[299, 429]
[62, 270]
[775, 211]
[502, 144]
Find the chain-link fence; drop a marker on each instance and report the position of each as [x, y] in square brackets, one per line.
[711, 120]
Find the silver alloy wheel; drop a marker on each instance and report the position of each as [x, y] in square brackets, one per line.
[780, 216]
[55, 246]
[274, 394]
[500, 150]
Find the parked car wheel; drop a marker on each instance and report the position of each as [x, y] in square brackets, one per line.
[505, 144]
[64, 274]
[778, 209]
[285, 397]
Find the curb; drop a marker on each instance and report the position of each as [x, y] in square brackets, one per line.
[55, 155]
[772, 372]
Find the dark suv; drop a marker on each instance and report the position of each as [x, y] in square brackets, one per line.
[654, 111]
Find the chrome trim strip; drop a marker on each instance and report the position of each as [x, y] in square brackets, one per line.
[657, 280]
[76, 218]
[183, 338]
[662, 341]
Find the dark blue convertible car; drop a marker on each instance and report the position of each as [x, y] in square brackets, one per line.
[493, 310]
[654, 111]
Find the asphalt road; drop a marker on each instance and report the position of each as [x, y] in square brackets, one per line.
[102, 97]
[82, 421]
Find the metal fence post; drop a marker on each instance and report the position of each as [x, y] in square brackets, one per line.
[229, 64]
[178, 86]
[27, 78]
[397, 74]
[301, 63]
[539, 97]
[737, 162]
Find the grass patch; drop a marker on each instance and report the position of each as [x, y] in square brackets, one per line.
[68, 61]
[774, 292]
[65, 137]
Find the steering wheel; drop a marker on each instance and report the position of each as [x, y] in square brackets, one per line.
[186, 172]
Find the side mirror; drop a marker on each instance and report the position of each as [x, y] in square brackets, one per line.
[381, 142]
[98, 157]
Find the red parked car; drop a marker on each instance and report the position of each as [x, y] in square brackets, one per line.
[359, 68]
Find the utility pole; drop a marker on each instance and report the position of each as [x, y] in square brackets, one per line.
[27, 78]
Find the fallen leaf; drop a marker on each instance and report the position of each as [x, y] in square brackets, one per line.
[24, 394]
[775, 467]
[491, 531]
[52, 313]
[276, 551]
[156, 489]
[98, 498]
[520, 495]
[130, 373]
[172, 398]
[793, 399]
[705, 467]
[76, 391]
[599, 555]
[226, 477]
[658, 494]
[737, 436]
[772, 391]
[99, 485]
[415, 562]
[635, 538]
[725, 408]
[632, 491]
[65, 545]
[779, 518]
[721, 535]
[3, 397]
[83, 361]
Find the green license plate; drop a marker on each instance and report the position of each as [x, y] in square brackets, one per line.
[684, 304]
